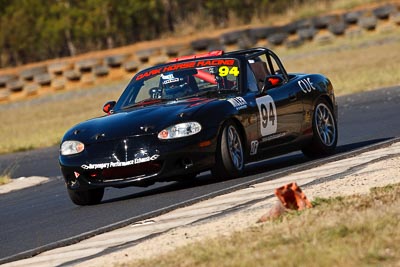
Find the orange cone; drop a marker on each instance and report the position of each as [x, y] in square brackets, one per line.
[292, 197]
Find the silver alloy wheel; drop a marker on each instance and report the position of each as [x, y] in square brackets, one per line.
[325, 124]
[235, 147]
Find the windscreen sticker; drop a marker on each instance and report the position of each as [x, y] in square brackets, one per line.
[190, 65]
[306, 85]
[169, 78]
[108, 165]
[215, 62]
[238, 102]
[268, 116]
[148, 74]
[225, 70]
[178, 66]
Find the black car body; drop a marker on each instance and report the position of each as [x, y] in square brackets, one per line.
[215, 111]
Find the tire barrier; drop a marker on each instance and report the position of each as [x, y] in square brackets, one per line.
[58, 83]
[15, 86]
[161, 59]
[367, 22]
[231, 38]
[300, 24]
[58, 68]
[86, 65]
[174, 50]
[383, 12]
[261, 32]
[323, 22]
[277, 38]
[32, 89]
[395, 18]
[101, 71]
[202, 44]
[131, 66]
[43, 79]
[72, 75]
[29, 73]
[6, 78]
[306, 34]
[84, 70]
[294, 43]
[352, 17]
[211, 47]
[88, 79]
[246, 42]
[145, 54]
[115, 61]
[337, 27]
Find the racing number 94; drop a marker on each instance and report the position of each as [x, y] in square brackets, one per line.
[268, 118]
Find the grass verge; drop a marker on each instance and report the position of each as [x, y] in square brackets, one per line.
[30, 125]
[5, 175]
[360, 230]
[4, 179]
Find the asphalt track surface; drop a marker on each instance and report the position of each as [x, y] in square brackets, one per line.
[40, 218]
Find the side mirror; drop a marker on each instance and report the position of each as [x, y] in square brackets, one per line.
[272, 81]
[107, 108]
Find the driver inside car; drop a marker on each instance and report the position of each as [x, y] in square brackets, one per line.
[176, 87]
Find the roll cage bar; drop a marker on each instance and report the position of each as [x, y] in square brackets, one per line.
[256, 52]
[251, 53]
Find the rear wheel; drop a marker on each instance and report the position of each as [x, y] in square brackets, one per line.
[229, 154]
[87, 197]
[325, 133]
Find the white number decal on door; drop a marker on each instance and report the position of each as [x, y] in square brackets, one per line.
[267, 109]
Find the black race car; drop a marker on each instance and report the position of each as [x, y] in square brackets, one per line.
[215, 111]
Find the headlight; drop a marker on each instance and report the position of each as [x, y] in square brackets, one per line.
[71, 147]
[180, 130]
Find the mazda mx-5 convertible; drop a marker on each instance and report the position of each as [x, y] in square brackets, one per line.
[215, 111]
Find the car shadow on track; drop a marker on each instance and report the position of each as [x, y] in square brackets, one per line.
[253, 169]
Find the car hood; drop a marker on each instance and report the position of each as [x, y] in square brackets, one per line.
[140, 120]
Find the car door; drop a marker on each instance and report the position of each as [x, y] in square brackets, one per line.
[280, 113]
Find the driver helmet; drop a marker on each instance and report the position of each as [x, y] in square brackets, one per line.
[174, 86]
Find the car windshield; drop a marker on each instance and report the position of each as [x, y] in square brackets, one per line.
[178, 80]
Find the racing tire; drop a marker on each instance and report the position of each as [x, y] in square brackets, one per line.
[230, 153]
[277, 38]
[368, 23]
[261, 32]
[231, 38]
[325, 133]
[383, 12]
[352, 17]
[337, 28]
[87, 197]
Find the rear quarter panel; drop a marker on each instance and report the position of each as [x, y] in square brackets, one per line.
[312, 88]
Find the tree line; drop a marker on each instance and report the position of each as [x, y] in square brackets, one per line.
[35, 30]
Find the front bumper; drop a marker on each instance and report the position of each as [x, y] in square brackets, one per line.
[138, 161]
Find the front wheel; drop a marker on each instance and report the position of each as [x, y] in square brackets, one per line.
[325, 132]
[229, 155]
[87, 197]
